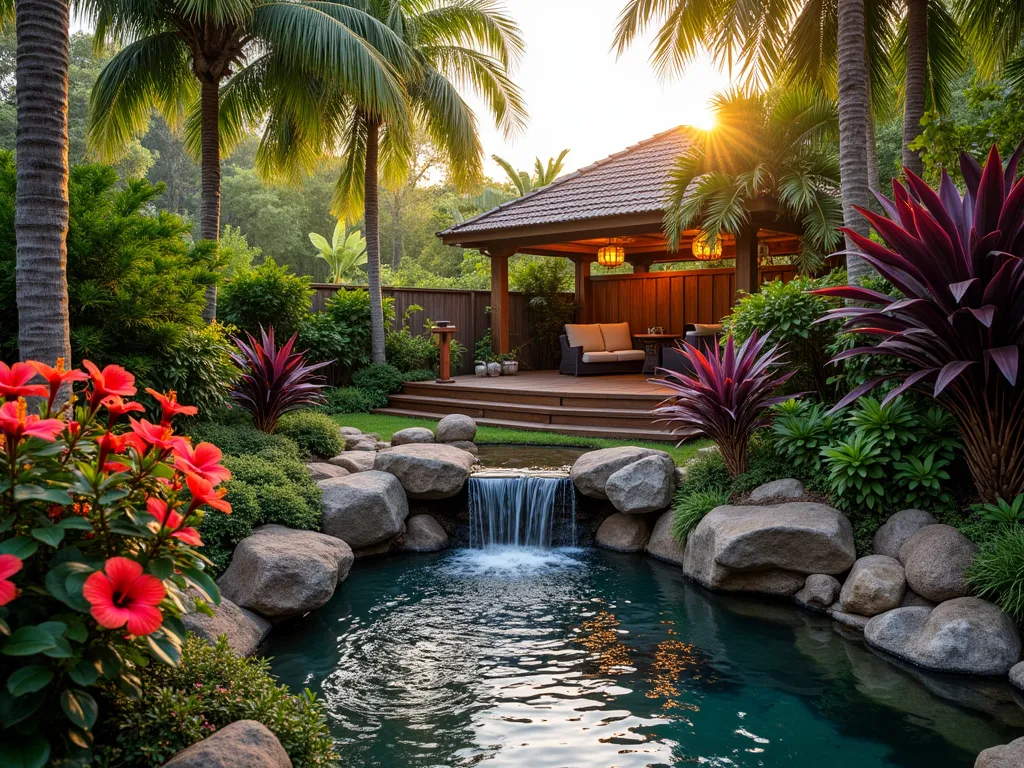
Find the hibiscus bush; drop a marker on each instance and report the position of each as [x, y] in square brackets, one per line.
[98, 543]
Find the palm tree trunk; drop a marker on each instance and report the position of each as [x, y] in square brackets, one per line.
[917, 74]
[41, 214]
[872, 149]
[209, 205]
[853, 106]
[371, 222]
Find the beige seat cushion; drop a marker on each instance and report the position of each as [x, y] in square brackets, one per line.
[630, 354]
[707, 329]
[587, 336]
[600, 357]
[616, 336]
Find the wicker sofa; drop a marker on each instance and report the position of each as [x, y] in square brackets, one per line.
[599, 348]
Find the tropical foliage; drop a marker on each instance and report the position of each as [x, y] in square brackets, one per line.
[345, 254]
[543, 173]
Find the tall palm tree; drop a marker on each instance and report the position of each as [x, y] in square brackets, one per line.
[454, 43]
[542, 174]
[41, 216]
[779, 144]
[218, 67]
[994, 30]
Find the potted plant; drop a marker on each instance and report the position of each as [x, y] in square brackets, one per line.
[509, 364]
[493, 367]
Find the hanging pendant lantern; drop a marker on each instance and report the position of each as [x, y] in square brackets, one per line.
[704, 250]
[611, 256]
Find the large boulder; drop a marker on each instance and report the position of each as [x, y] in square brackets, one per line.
[643, 486]
[936, 559]
[1004, 756]
[1017, 675]
[897, 530]
[819, 592]
[412, 435]
[769, 549]
[244, 629]
[787, 489]
[354, 461]
[965, 635]
[591, 471]
[622, 533]
[876, 584]
[346, 431]
[244, 742]
[424, 534]
[455, 427]
[320, 470]
[280, 573]
[427, 471]
[361, 442]
[662, 544]
[363, 509]
[465, 445]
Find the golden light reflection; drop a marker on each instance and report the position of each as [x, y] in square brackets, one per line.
[599, 635]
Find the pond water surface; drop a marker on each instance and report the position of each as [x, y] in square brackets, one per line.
[573, 657]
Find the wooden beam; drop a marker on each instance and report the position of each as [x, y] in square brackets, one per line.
[499, 299]
[746, 261]
[583, 290]
[545, 234]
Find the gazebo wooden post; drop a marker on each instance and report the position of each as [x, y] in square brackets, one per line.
[746, 260]
[499, 298]
[582, 280]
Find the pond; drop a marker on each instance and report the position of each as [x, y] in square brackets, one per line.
[528, 456]
[581, 657]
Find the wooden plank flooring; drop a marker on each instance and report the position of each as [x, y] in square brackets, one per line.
[616, 406]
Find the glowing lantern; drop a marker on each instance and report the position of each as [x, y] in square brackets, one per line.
[704, 250]
[611, 256]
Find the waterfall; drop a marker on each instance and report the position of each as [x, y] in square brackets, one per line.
[522, 511]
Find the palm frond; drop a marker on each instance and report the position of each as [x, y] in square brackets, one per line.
[478, 24]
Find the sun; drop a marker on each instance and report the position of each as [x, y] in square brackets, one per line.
[700, 117]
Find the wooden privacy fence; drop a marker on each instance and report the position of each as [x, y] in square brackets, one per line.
[666, 299]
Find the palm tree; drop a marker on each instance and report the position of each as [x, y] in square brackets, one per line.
[218, 67]
[41, 216]
[779, 144]
[542, 174]
[994, 30]
[344, 255]
[468, 43]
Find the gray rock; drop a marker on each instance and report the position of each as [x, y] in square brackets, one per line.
[1004, 756]
[360, 443]
[708, 450]
[897, 530]
[320, 470]
[279, 572]
[591, 471]
[347, 431]
[465, 445]
[244, 629]
[1017, 675]
[876, 584]
[454, 427]
[850, 620]
[242, 743]
[354, 461]
[643, 486]
[622, 533]
[787, 489]
[381, 445]
[424, 534]
[819, 592]
[768, 549]
[427, 471]
[363, 509]
[662, 545]
[910, 598]
[936, 559]
[680, 476]
[965, 635]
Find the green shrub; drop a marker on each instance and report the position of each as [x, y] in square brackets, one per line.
[266, 296]
[420, 374]
[323, 340]
[241, 439]
[273, 470]
[199, 367]
[221, 533]
[856, 468]
[285, 505]
[690, 508]
[706, 472]
[316, 434]
[997, 571]
[379, 381]
[765, 465]
[407, 351]
[922, 481]
[801, 433]
[892, 426]
[347, 400]
[209, 689]
[350, 311]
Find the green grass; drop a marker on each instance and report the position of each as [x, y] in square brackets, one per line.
[385, 426]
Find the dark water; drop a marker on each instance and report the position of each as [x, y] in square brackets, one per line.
[587, 658]
[529, 456]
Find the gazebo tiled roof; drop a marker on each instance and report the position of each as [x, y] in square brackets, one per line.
[628, 182]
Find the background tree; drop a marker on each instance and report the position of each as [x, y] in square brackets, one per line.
[542, 174]
[344, 254]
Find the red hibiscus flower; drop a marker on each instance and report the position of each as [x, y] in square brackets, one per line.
[9, 565]
[117, 407]
[157, 435]
[203, 460]
[168, 518]
[203, 493]
[57, 377]
[110, 443]
[122, 594]
[14, 382]
[16, 422]
[112, 380]
[170, 407]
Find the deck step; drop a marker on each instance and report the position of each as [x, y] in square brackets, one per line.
[480, 402]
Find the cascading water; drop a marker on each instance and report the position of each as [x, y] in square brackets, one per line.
[522, 511]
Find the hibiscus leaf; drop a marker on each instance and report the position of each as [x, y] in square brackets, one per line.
[201, 581]
[75, 523]
[161, 647]
[51, 535]
[27, 641]
[84, 673]
[162, 567]
[25, 752]
[21, 547]
[38, 493]
[80, 707]
[56, 581]
[29, 679]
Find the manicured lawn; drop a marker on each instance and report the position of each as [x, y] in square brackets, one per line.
[385, 426]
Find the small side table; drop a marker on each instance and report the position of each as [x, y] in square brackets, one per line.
[653, 342]
[444, 338]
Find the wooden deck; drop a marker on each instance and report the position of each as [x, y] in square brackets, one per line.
[595, 406]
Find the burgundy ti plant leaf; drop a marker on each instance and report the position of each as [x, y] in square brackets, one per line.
[274, 381]
[727, 397]
[960, 328]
